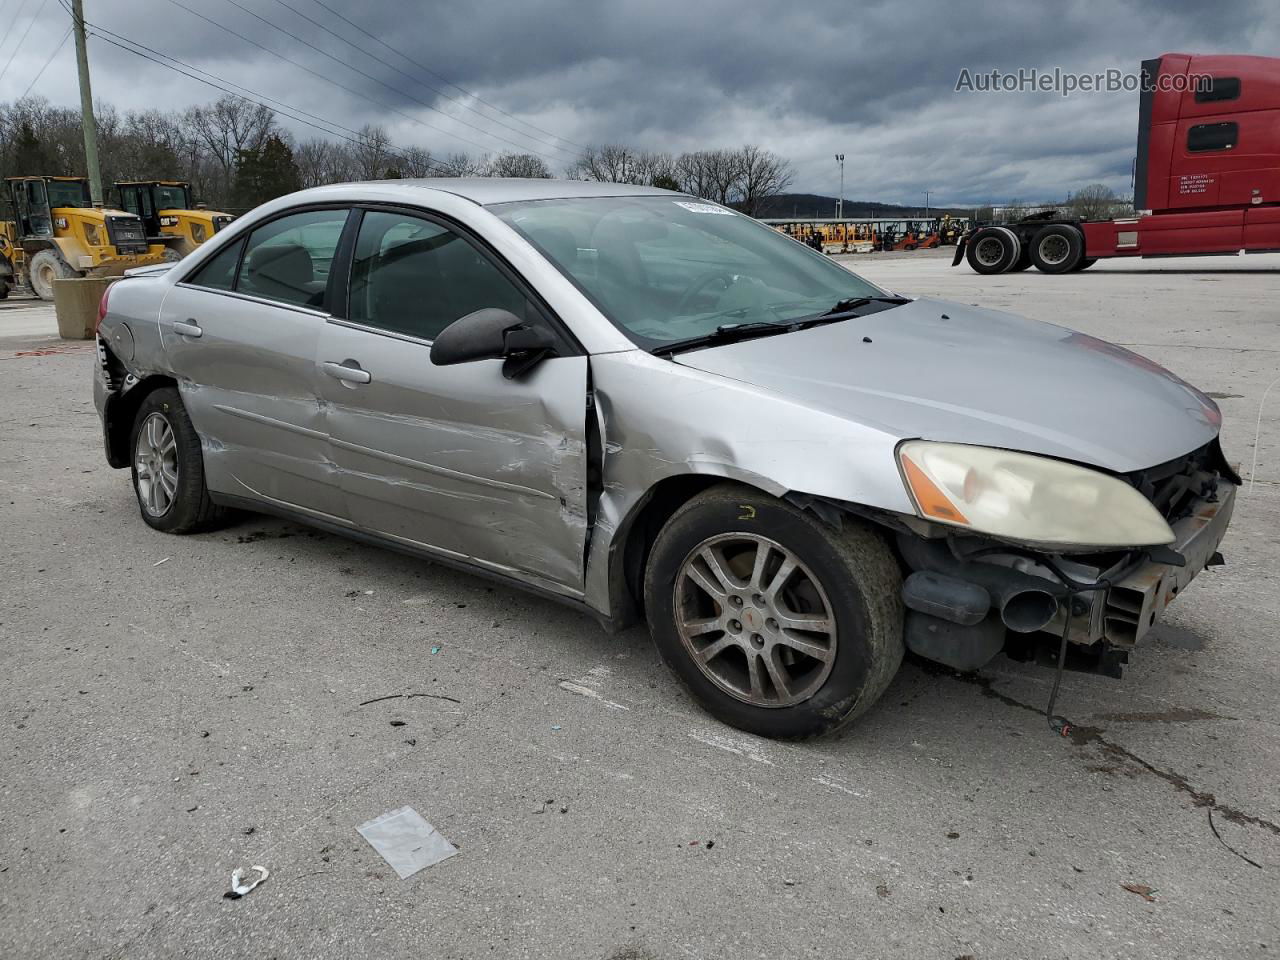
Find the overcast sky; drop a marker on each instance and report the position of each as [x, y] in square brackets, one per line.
[806, 79]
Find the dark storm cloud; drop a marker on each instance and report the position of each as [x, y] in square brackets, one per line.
[806, 79]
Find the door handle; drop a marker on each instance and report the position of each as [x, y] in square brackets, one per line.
[348, 371]
[187, 328]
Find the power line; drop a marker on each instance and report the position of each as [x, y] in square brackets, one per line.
[443, 79]
[30, 23]
[255, 98]
[434, 89]
[36, 78]
[397, 90]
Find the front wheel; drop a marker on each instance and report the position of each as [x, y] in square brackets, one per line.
[776, 623]
[46, 267]
[168, 467]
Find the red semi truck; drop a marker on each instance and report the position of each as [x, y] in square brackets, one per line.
[1206, 176]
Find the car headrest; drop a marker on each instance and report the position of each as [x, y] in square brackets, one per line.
[284, 266]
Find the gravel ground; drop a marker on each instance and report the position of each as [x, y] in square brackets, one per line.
[177, 707]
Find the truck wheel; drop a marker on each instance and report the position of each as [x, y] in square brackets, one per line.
[1086, 263]
[1024, 261]
[47, 266]
[168, 467]
[775, 623]
[1057, 248]
[4, 289]
[993, 250]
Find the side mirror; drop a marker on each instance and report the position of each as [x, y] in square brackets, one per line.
[492, 334]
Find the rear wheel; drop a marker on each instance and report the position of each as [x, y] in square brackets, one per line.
[993, 250]
[774, 622]
[1057, 248]
[168, 467]
[1086, 263]
[46, 267]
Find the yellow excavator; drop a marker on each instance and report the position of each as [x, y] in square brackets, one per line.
[169, 214]
[58, 233]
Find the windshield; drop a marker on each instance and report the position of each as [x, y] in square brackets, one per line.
[668, 268]
[68, 193]
[169, 197]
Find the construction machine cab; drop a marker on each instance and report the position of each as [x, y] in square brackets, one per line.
[62, 235]
[170, 214]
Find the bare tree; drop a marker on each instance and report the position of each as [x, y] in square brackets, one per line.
[373, 153]
[417, 162]
[464, 165]
[762, 174]
[1097, 201]
[519, 165]
[226, 128]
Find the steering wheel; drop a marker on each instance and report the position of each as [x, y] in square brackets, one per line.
[700, 283]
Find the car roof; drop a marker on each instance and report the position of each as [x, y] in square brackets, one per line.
[487, 190]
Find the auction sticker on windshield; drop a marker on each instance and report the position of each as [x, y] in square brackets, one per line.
[702, 207]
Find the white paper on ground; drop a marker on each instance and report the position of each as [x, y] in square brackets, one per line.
[406, 841]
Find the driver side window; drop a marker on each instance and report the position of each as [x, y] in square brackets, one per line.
[415, 277]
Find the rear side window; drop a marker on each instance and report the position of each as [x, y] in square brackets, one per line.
[1219, 88]
[415, 277]
[288, 259]
[219, 271]
[1212, 136]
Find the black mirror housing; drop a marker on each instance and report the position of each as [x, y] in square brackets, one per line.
[493, 334]
[481, 335]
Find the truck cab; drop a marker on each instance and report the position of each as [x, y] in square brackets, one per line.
[169, 214]
[62, 235]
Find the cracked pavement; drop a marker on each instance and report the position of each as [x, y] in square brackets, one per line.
[177, 707]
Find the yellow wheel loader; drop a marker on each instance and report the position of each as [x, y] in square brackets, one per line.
[169, 215]
[62, 234]
[10, 258]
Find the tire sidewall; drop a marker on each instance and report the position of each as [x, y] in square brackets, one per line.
[168, 404]
[750, 513]
[1075, 245]
[1009, 240]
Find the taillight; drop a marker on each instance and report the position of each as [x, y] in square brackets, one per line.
[102, 308]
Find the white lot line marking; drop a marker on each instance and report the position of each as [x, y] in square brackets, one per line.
[1257, 432]
[223, 669]
[836, 785]
[750, 748]
[585, 686]
[585, 691]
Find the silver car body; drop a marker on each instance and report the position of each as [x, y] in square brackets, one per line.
[461, 464]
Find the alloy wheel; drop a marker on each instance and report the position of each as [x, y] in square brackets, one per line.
[156, 465]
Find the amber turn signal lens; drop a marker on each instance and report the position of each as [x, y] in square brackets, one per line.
[931, 501]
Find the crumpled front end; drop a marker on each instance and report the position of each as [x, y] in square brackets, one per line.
[968, 600]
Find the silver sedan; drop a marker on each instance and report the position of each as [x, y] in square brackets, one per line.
[653, 407]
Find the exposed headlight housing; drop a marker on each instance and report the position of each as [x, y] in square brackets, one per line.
[1018, 496]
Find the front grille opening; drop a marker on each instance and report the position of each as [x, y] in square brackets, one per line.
[1122, 617]
[1174, 487]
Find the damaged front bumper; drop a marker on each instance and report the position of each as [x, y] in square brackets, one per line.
[963, 611]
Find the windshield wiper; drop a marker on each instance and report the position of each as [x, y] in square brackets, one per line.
[844, 309]
[725, 333]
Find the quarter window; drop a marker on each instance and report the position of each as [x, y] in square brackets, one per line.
[1219, 88]
[288, 259]
[219, 271]
[1212, 136]
[415, 277]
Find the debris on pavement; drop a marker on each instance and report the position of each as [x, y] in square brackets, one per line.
[1141, 889]
[165, 560]
[238, 885]
[406, 841]
[436, 649]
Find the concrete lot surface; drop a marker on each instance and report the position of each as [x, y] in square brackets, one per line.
[177, 707]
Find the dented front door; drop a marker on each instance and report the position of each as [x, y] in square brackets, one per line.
[459, 459]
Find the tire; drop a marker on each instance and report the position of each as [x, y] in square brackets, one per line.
[854, 603]
[171, 255]
[4, 289]
[993, 250]
[181, 505]
[45, 267]
[1024, 261]
[1057, 248]
[1086, 263]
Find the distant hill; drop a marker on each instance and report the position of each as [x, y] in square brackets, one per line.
[807, 206]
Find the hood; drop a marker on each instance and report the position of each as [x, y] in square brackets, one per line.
[935, 370]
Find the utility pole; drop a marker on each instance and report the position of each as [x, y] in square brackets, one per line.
[840, 205]
[86, 103]
[926, 204]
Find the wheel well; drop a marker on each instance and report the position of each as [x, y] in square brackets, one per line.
[122, 411]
